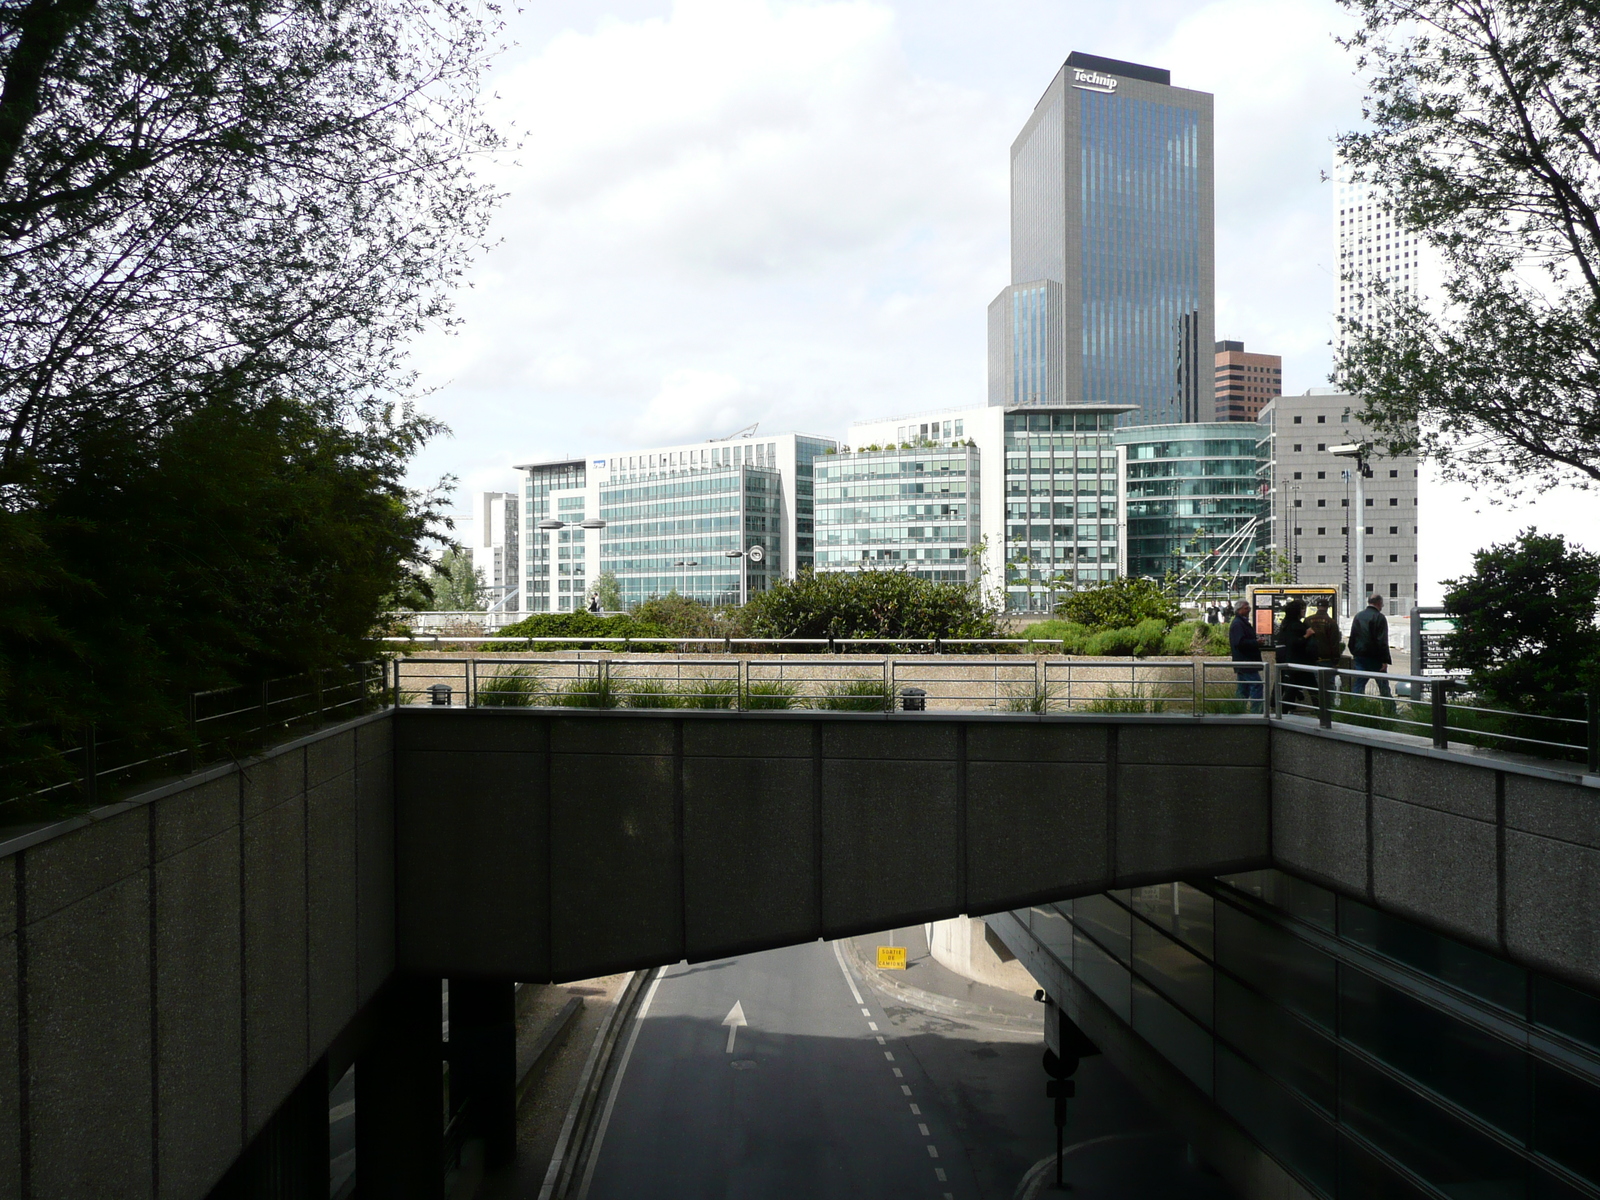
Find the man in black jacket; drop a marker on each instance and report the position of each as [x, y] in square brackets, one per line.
[1369, 647]
[1245, 647]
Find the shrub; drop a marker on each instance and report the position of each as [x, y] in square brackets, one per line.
[580, 624]
[597, 691]
[856, 695]
[1120, 603]
[770, 694]
[1031, 698]
[519, 687]
[648, 693]
[681, 616]
[1149, 636]
[868, 604]
[1072, 636]
[708, 693]
[1112, 643]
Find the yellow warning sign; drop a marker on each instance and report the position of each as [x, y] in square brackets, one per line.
[891, 958]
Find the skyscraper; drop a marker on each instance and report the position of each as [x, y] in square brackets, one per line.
[1245, 381]
[1112, 259]
[1374, 250]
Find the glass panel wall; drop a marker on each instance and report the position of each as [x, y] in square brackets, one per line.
[908, 507]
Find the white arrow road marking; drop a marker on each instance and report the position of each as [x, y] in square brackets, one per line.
[733, 1020]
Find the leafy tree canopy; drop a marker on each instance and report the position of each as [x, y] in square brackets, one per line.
[455, 585]
[889, 604]
[1481, 132]
[580, 624]
[1120, 603]
[682, 616]
[1528, 615]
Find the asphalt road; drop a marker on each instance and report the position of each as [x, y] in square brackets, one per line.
[815, 1097]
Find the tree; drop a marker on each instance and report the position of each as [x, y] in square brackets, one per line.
[886, 604]
[457, 585]
[1120, 603]
[1482, 134]
[224, 197]
[1527, 621]
[608, 591]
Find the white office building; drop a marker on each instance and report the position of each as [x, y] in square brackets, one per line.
[1373, 249]
[495, 551]
[665, 520]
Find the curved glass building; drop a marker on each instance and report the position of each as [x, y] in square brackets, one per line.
[1193, 500]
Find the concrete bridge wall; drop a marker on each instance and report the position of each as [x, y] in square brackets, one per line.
[174, 967]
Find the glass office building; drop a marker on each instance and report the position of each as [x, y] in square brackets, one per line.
[915, 508]
[670, 531]
[1194, 501]
[1367, 1055]
[1111, 200]
[543, 486]
[1061, 502]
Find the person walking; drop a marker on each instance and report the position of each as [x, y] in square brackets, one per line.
[1325, 644]
[1245, 647]
[1369, 647]
[1296, 648]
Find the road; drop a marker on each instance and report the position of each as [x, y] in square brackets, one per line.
[814, 1098]
[829, 1090]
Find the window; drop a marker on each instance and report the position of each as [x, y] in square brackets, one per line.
[1394, 529]
[1297, 421]
[1322, 474]
[1394, 501]
[1394, 558]
[1345, 503]
[1297, 447]
[1322, 420]
[1322, 558]
[1322, 529]
[1297, 474]
[1369, 558]
[1369, 528]
[1394, 474]
[1297, 531]
[1297, 504]
[1320, 503]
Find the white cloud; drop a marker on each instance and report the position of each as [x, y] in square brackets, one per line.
[691, 405]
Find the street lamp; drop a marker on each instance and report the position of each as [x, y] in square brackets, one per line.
[550, 525]
[683, 575]
[1359, 452]
[753, 554]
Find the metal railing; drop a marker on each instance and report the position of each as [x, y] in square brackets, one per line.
[849, 683]
[732, 645]
[77, 769]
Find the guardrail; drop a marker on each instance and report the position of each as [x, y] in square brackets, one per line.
[907, 683]
[75, 769]
[729, 645]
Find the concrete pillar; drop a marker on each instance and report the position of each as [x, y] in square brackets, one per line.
[400, 1096]
[483, 1063]
[288, 1159]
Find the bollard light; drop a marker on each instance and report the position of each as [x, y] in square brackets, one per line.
[440, 694]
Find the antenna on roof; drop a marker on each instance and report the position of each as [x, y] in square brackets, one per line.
[748, 431]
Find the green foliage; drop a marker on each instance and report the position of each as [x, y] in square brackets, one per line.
[856, 695]
[867, 604]
[1073, 636]
[770, 694]
[709, 693]
[455, 584]
[519, 687]
[1032, 698]
[608, 591]
[1480, 129]
[593, 691]
[247, 541]
[1196, 637]
[1113, 643]
[649, 693]
[1121, 602]
[682, 616]
[579, 625]
[1527, 613]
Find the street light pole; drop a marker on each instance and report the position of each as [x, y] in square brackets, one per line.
[550, 525]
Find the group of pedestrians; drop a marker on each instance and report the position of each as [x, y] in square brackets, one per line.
[1304, 642]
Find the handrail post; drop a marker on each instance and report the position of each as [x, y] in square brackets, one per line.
[191, 718]
[888, 683]
[1324, 707]
[91, 765]
[472, 682]
[1197, 684]
[1441, 728]
[1272, 697]
[1594, 731]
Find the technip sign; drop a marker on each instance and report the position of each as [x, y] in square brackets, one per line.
[1093, 81]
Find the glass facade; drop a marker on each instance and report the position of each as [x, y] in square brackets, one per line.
[1061, 504]
[1369, 1056]
[669, 530]
[1194, 498]
[806, 451]
[1140, 169]
[540, 548]
[911, 508]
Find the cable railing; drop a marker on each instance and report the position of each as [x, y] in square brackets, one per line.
[63, 771]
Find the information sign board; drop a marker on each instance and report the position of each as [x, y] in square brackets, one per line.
[1268, 600]
[891, 958]
[1429, 627]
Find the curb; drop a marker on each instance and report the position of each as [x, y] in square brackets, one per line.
[944, 1006]
[553, 1033]
[575, 1129]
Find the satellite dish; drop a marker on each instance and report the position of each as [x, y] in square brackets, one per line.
[757, 554]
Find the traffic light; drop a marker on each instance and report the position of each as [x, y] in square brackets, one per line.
[1075, 1046]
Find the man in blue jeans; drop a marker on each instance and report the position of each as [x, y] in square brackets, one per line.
[1245, 647]
[1369, 647]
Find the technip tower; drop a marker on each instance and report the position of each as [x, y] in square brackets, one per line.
[1112, 249]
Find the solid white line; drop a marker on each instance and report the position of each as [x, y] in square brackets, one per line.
[854, 990]
[564, 1139]
[616, 1085]
[732, 1029]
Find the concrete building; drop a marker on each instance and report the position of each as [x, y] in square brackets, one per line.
[1192, 502]
[1311, 492]
[496, 549]
[1373, 250]
[663, 520]
[1112, 248]
[1245, 381]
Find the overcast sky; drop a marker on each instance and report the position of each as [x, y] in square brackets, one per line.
[729, 211]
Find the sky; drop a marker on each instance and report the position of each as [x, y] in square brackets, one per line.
[723, 212]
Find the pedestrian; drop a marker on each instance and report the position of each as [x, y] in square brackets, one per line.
[1296, 648]
[1245, 647]
[1369, 648]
